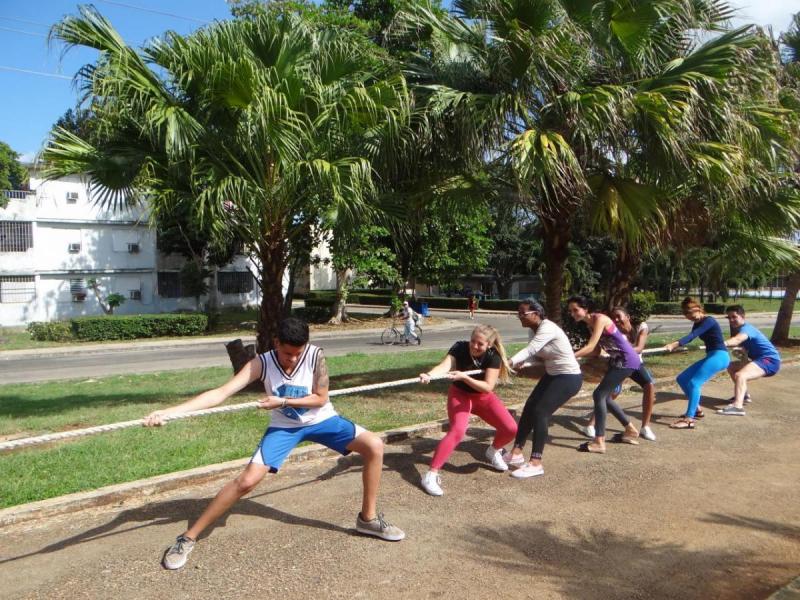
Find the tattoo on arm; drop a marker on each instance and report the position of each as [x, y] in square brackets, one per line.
[321, 373]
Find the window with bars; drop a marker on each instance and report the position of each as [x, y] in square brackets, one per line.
[17, 289]
[16, 236]
[77, 287]
[234, 282]
[169, 285]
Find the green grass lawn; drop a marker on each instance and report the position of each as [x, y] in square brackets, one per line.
[87, 463]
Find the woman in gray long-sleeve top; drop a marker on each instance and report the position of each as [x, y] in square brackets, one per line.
[562, 380]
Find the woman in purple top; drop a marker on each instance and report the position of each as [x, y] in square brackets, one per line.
[623, 362]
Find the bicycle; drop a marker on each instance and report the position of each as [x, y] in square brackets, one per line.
[392, 335]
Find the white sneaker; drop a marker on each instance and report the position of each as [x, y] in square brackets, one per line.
[495, 458]
[528, 471]
[587, 430]
[647, 433]
[514, 460]
[432, 483]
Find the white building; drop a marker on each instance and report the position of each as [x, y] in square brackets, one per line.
[55, 239]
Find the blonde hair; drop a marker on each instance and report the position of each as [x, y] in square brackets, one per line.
[493, 339]
[689, 304]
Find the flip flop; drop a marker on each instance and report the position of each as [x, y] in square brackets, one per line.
[587, 447]
[621, 438]
[682, 423]
[698, 414]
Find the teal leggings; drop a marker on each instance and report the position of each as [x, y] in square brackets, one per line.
[693, 378]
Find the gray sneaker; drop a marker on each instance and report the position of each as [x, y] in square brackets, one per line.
[379, 527]
[731, 410]
[176, 555]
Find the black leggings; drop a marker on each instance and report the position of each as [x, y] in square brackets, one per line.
[547, 397]
[603, 401]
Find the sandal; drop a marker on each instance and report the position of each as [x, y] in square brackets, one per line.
[591, 447]
[621, 438]
[683, 423]
[698, 414]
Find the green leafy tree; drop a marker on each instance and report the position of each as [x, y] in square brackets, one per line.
[599, 108]
[790, 97]
[13, 176]
[109, 302]
[254, 121]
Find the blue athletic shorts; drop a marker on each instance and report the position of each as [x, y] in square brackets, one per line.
[770, 366]
[335, 433]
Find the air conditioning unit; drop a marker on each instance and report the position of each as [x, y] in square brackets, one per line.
[79, 296]
[133, 248]
[74, 248]
[135, 294]
[72, 197]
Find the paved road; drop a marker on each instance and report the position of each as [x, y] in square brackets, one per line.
[709, 513]
[130, 359]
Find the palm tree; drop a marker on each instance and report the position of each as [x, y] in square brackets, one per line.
[605, 109]
[791, 100]
[263, 124]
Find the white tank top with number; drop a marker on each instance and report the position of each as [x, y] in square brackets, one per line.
[297, 385]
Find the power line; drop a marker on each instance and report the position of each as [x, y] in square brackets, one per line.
[43, 74]
[34, 33]
[23, 21]
[150, 10]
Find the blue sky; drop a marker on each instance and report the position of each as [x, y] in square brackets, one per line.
[30, 103]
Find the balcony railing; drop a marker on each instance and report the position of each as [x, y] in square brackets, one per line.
[17, 194]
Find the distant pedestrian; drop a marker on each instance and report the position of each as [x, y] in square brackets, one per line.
[762, 360]
[716, 359]
[472, 304]
[472, 394]
[410, 317]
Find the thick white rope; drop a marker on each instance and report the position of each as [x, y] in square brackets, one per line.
[63, 435]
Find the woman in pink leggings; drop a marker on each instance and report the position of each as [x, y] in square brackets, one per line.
[472, 394]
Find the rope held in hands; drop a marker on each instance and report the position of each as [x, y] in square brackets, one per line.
[64, 435]
[75, 433]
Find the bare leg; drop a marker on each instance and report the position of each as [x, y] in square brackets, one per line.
[648, 402]
[370, 447]
[227, 497]
[741, 377]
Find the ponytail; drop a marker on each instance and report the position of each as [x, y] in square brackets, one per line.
[493, 338]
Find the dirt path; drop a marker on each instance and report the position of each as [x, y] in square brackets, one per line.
[710, 513]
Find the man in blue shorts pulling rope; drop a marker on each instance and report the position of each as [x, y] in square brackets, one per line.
[762, 359]
[296, 381]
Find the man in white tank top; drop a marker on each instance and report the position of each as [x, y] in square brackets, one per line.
[296, 381]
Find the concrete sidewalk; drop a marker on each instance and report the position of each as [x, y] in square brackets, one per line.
[708, 513]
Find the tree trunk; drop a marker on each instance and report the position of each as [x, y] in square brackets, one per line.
[273, 263]
[343, 279]
[619, 291]
[503, 287]
[240, 355]
[780, 335]
[556, 237]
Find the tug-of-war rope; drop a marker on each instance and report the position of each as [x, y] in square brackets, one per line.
[75, 433]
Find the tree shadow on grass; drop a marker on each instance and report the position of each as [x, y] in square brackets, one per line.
[601, 563]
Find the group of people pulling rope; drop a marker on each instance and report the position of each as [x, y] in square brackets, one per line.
[296, 381]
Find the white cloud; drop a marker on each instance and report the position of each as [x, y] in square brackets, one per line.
[777, 13]
[27, 157]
